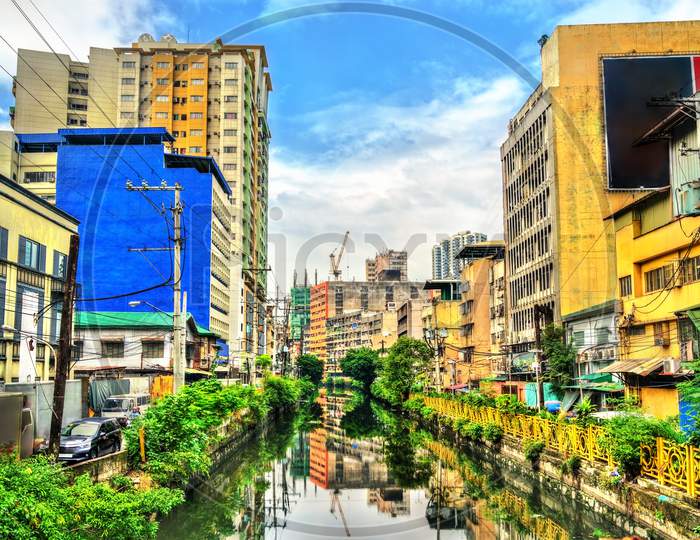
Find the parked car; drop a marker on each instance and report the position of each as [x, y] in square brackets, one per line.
[125, 406]
[89, 438]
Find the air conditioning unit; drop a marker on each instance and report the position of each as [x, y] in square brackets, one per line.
[671, 366]
[689, 198]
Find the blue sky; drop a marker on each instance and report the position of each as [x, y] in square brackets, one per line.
[380, 125]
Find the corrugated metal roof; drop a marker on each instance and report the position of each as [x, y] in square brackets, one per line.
[639, 367]
[133, 319]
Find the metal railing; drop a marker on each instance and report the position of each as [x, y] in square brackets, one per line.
[666, 462]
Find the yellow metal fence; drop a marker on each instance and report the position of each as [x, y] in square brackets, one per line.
[565, 438]
[672, 464]
[668, 463]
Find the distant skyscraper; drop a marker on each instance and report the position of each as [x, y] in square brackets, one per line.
[446, 265]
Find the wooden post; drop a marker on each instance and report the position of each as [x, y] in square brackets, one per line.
[142, 444]
[65, 347]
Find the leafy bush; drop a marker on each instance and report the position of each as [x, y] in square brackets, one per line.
[37, 501]
[492, 432]
[625, 434]
[584, 412]
[508, 403]
[477, 399]
[281, 393]
[179, 427]
[311, 368]
[560, 358]
[571, 465]
[121, 483]
[532, 450]
[472, 431]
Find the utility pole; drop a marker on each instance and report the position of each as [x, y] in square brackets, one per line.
[538, 311]
[64, 355]
[178, 319]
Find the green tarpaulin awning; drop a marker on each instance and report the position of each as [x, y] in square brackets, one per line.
[694, 316]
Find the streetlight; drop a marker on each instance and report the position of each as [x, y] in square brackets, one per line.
[135, 303]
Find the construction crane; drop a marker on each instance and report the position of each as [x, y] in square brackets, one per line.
[335, 261]
[335, 501]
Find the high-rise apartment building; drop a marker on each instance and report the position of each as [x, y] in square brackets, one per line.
[212, 97]
[560, 172]
[446, 264]
[389, 265]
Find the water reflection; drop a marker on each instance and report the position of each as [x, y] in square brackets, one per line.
[352, 468]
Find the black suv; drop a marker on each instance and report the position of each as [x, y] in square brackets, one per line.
[89, 438]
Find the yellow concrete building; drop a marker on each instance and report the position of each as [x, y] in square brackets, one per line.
[444, 320]
[34, 243]
[560, 250]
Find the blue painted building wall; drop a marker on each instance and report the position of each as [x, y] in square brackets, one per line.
[91, 185]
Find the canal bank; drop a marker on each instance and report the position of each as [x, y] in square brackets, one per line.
[639, 507]
[364, 471]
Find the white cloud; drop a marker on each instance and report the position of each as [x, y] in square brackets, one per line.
[602, 11]
[395, 171]
[81, 23]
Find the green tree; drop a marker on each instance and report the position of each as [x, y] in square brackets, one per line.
[560, 357]
[690, 392]
[407, 358]
[310, 367]
[361, 365]
[264, 362]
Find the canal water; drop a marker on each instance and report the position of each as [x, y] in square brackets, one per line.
[349, 468]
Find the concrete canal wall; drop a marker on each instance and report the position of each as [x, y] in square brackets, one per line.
[644, 509]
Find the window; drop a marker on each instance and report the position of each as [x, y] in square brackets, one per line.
[197, 82]
[196, 99]
[180, 84]
[77, 350]
[195, 115]
[162, 82]
[638, 330]
[162, 115]
[659, 278]
[230, 115]
[112, 349]
[230, 82]
[127, 98]
[389, 293]
[162, 65]
[129, 64]
[691, 270]
[3, 246]
[230, 132]
[128, 81]
[32, 254]
[230, 65]
[230, 166]
[229, 149]
[195, 149]
[162, 99]
[197, 65]
[152, 349]
[181, 67]
[230, 99]
[179, 117]
[195, 133]
[59, 264]
[577, 338]
[39, 176]
[414, 293]
[126, 115]
[626, 286]
[602, 336]
[339, 297]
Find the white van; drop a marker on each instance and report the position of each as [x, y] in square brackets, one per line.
[125, 406]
